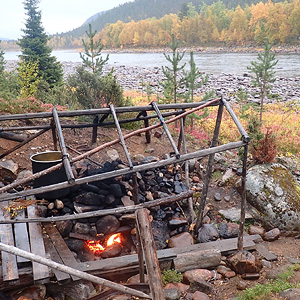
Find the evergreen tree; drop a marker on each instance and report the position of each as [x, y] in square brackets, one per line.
[194, 79]
[34, 46]
[92, 53]
[2, 61]
[172, 82]
[263, 72]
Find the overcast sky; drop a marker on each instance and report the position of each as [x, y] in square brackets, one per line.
[57, 15]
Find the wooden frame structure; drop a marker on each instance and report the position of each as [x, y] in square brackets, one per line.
[175, 112]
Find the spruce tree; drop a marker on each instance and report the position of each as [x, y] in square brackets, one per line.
[34, 46]
[2, 61]
[263, 72]
[91, 57]
[173, 82]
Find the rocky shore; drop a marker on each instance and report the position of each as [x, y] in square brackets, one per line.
[229, 85]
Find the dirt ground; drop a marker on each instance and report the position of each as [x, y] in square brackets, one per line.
[286, 248]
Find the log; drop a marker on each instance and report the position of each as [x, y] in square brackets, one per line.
[199, 259]
[150, 255]
[72, 271]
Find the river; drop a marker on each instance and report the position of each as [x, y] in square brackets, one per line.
[210, 63]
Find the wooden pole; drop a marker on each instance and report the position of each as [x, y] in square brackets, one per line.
[135, 192]
[146, 124]
[209, 168]
[102, 111]
[88, 158]
[121, 135]
[150, 255]
[163, 123]
[65, 155]
[54, 137]
[97, 149]
[243, 202]
[105, 212]
[95, 129]
[72, 271]
[140, 256]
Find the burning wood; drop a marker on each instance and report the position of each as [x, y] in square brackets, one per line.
[97, 248]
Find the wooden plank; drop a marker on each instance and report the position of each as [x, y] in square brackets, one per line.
[62, 249]
[265, 253]
[21, 236]
[55, 257]
[224, 246]
[37, 244]
[125, 261]
[9, 261]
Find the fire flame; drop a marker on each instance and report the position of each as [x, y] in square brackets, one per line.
[97, 248]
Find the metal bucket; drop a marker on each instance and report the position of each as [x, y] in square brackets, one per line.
[42, 161]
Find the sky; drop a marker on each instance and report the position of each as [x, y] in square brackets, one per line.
[57, 15]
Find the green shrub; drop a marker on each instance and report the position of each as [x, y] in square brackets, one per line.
[171, 276]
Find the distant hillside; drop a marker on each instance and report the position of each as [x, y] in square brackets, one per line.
[143, 9]
[93, 17]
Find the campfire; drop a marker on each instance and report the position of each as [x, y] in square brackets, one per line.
[114, 241]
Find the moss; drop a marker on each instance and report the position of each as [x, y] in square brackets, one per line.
[288, 183]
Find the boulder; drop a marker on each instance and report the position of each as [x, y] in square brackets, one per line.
[275, 194]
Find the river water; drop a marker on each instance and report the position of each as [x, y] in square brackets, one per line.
[210, 63]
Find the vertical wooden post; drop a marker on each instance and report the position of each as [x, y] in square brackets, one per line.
[243, 202]
[95, 129]
[152, 265]
[141, 257]
[146, 124]
[181, 134]
[209, 168]
[54, 137]
[135, 189]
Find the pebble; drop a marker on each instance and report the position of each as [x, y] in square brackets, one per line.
[134, 78]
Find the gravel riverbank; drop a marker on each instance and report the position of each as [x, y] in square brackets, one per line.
[228, 85]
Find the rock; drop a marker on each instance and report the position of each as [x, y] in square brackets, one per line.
[275, 193]
[127, 201]
[82, 228]
[234, 214]
[75, 244]
[177, 221]
[181, 240]
[112, 251]
[179, 286]
[116, 190]
[89, 198]
[161, 234]
[64, 227]
[59, 204]
[228, 230]
[288, 162]
[199, 296]
[113, 154]
[107, 224]
[207, 233]
[228, 175]
[290, 294]
[196, 179]
[244, 262]
[226, 272]
[197, 275]
[217, 196]
[250, 276]
[172, 294]
[24, 174]
[241, 285]
[136, 279]
[256, 230]
[109, 199]
[272, 235]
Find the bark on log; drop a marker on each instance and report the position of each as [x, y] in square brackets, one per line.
[150, 255]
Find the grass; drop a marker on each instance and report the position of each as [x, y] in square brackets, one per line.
[271, 288]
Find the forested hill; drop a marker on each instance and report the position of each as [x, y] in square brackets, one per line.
[143, 9]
